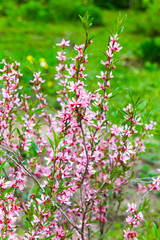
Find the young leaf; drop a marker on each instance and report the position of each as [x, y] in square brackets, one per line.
[47, 238]
[51, 143]
[2, 165]
[155, 230]
[6, 238]
[63, 147]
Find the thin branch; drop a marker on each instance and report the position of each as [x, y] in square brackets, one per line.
[96, 193]
[5, 174]
[108, 142]
[67, 217]
[101, 237]
[145, 194]
[83, 176]
[20, 165]
[142, 180]
[30, 175]
[85, 148]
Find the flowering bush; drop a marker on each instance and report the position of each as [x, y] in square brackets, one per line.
[61, 172]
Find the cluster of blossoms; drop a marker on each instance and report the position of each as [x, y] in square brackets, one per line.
[77, 159]
[133, 221]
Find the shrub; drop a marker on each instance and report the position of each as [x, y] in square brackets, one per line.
[33, 10]
[55, 10]
[152, 20]
[112, 4]
[6, 7]
[123, 4]
[150, 50]
[77, 159]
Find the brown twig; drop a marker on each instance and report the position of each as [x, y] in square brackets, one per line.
[67, 217]
[20, 165]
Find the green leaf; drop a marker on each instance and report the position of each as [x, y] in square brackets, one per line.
[146, 225]
[6, 238]
[86, 21]
[55, 138]
[63, 147]
[26, 223]
[51, 143]
[50, 218]
[18, 131]
[143, 238]
[32, 208]
[155, 230]
[120, 21]
[52, 108]
[61, 184]
[120, 30]
[37, 110]
[3, 165]
[48, 237]
[69, 235]
[64, 138]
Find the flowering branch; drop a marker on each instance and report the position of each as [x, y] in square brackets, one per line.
[20, 165]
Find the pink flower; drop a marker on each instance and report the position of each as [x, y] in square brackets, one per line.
[129, 234]
[103, 75]
[132, 208]
[114, 38]
[79, 48]
[139, 216]
[63, 43]
[130, 220]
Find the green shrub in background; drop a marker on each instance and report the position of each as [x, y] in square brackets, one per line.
[6, 7]
[153, 17]
[49, 10]
[33, 10]
[141, 4]
[111, 4]
[70, 10]
[150, 50]
[151, 24]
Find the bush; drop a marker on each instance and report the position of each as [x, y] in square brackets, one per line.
[112, 3]
[64, 171]
[6, 7]
[152, 20]
[123, 4]
[33, 10]
[150, 50]
[55, 10]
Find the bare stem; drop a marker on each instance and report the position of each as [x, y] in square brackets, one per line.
[110, 224]
[67, 217]
[20, 165]
[85, 148]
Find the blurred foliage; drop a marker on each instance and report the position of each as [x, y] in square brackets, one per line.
[150, 25]
[149, 50]
[151, 229]
[112, 4]
[153, 17]
[49, 10]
